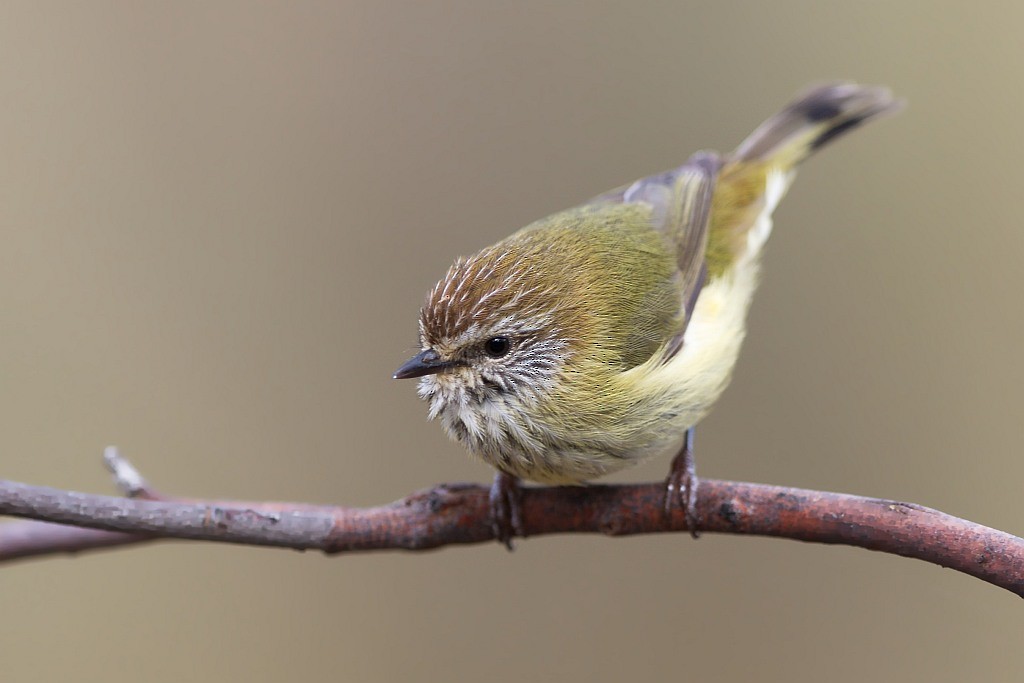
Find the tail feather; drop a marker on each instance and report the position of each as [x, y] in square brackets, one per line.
[815, 118]
[756, 176]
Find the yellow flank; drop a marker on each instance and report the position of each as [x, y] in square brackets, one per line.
[738, 197]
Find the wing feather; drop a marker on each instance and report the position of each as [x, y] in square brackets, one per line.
[680, 201]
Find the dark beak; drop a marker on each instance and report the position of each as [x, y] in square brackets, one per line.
[424, 363]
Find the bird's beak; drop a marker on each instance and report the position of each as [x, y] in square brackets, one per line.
[423, 363]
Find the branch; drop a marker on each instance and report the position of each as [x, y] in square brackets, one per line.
[460, 513]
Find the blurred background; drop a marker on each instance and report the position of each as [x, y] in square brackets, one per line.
[219, 220]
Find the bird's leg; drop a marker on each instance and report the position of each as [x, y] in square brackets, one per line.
[681, 484]
[506, 519]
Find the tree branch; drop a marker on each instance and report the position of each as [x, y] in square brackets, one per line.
[459, 513]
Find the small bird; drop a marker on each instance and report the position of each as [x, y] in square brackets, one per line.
[599, 336]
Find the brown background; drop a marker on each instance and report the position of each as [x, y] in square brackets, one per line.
[218, 221]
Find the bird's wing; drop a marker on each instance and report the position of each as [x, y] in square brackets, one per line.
[680, 201]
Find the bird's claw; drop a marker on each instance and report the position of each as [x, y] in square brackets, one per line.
[506, 518]
[681, 485]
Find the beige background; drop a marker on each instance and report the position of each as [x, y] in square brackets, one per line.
[218, 221]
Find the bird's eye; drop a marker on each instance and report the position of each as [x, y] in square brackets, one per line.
[496, 347]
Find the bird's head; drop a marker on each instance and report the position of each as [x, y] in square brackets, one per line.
[490, 329]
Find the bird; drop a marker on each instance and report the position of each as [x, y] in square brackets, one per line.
[598, 337]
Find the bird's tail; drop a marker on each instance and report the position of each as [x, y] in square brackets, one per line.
[755, 177]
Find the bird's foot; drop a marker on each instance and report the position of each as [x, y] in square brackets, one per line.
[681, 485]
[506, 518]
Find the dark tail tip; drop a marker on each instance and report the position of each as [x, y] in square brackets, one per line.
[835, 131]
[815, 118]
[842, 107]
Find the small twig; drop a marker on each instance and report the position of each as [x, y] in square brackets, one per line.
[460, 514]
[128, 479]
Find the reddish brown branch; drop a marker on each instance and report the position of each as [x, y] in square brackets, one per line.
[460, 514]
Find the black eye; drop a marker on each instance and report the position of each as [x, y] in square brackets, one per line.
[496, 347]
